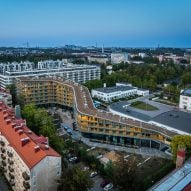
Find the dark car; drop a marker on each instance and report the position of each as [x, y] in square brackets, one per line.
[104, 183]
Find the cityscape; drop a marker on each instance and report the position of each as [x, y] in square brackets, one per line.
[95, 95]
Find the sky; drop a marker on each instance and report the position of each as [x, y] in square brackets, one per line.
[125, 23]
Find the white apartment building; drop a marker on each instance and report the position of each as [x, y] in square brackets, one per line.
[77, 73]
[117, 58]
[27, 161]
[185, 100]
[121, 90]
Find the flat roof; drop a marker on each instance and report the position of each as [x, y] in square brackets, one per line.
[115, 89]
[176, 180]
[186, 92]
[177, 119]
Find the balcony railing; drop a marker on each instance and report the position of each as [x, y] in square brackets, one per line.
[26, 176]
[2, 143]
[26, 184]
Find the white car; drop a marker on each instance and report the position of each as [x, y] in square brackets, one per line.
[73, 159]
[108, 187]
[93, 174]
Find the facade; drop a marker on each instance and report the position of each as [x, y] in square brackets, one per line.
[109, 94]
[6, 97]
[93, 123]
[77, 73]
[117, 58]
[121, 90]
[185, 100]
[27, 161]
[99, 59]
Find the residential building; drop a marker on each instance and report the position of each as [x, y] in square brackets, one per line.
[77, 73]
[6, 97]
[93, 123]
[117, 58]
[98, 58]
[27, 161]
[185, 100]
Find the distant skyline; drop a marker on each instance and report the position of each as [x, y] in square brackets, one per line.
[125, 23]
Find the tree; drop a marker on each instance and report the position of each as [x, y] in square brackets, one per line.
[181, 140]
[74, 179]
[124, 175]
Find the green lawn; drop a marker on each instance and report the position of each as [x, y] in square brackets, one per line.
[143, 106]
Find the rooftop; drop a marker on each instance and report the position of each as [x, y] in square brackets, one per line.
[115, 89]
[177, 119]
[30, 147]
[177, 180]
[186, 92]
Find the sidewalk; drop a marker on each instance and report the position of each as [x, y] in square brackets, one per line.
[141, 151]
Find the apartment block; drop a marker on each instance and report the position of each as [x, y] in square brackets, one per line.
[77, 73]
[93, 123]
[185, 100]
[27, 161]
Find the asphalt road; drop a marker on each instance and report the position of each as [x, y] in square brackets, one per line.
[3, 184]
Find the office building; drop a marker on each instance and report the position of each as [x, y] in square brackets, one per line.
[121, 90]
[117, 58]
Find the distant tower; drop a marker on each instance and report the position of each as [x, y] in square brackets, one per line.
[102, 49]
[181, 154]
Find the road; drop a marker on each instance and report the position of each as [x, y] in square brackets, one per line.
[3, 184]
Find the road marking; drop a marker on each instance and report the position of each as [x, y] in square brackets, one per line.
[144, 161]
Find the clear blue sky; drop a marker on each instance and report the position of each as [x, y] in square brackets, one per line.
[137, 23]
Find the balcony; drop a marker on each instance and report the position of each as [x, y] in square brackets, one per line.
[11, 176]
[2, 143]
[9, 154]
[26, 185]
[26, 176]
[10, 162]
[11, 169]
[4, 163]
[3, 156]
[2, 150]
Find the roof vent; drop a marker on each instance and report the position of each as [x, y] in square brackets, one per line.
[8, 121]
[24, 141]
[20, 132]
[46, 147]
[18, 127]
[29, 132]
[37, 148]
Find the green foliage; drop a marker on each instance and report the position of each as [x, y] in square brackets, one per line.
[74, 179]
[181, 140]
[156, 176]
[41, 123]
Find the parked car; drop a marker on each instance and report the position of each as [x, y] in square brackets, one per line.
[85, 168]
[104, 183]
[93, 174]
[108, 187]
[73, 159]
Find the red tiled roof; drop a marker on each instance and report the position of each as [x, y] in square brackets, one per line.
[15, 130]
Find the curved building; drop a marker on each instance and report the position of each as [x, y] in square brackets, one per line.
[95, 124]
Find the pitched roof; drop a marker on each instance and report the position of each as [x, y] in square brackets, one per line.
[30, 147]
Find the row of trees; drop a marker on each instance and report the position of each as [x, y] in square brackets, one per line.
[40, 122]
[143, 76]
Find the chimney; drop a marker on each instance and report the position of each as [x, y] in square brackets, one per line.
[24, 141]
[181, 154]
[36, 148]
[20, 131]
[46, 147]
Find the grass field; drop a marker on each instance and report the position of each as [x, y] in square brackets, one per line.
[143, 106]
